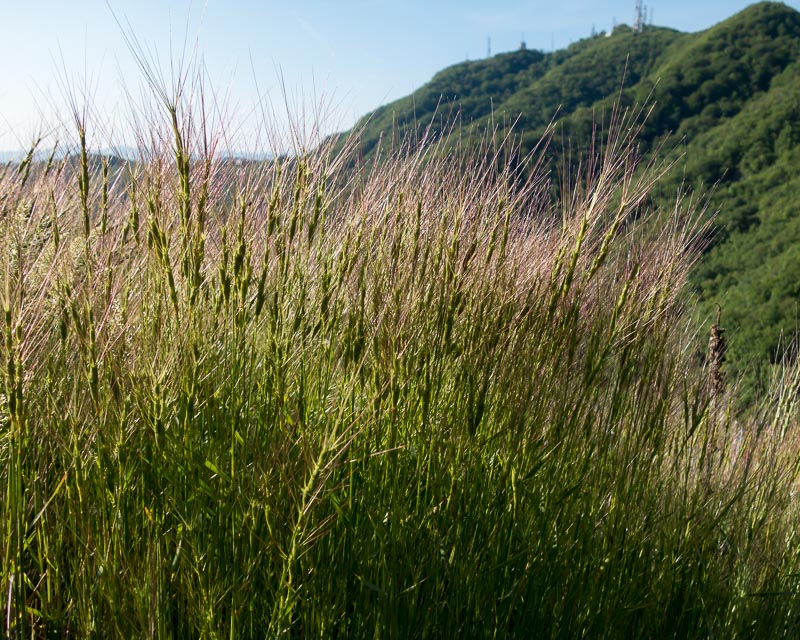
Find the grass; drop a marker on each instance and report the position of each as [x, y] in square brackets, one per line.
[421, 399]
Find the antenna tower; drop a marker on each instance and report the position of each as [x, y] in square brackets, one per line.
[638, 17]
[489, 47]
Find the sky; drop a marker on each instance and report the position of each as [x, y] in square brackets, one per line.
[330, 61]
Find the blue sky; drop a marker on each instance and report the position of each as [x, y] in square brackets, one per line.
[348, 55]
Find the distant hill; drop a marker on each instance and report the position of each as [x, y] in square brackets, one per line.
[728, 98]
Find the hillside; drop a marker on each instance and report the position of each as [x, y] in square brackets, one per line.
[725, 100]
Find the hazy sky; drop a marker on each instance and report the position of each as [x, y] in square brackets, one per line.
[352, 55]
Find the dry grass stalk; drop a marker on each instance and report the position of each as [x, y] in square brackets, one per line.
[717, 348]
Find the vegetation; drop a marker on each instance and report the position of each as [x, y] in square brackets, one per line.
[723, 100]
[421, 400]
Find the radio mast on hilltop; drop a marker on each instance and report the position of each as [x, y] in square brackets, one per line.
[639, 17]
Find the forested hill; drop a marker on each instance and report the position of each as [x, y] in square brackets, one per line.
[729, 97]
[525, 86]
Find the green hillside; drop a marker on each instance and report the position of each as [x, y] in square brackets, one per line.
[725, 100]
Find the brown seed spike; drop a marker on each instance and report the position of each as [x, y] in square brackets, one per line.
[717, 347]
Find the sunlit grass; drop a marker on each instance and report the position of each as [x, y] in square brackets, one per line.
[417, 400]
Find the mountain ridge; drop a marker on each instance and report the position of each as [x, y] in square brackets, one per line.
[725, 99]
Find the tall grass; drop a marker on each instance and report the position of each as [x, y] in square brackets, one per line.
[420, 399]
